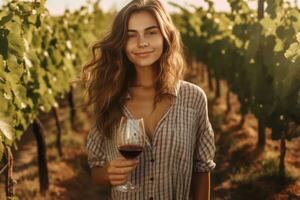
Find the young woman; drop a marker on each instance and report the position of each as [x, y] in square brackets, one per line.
[137, 72]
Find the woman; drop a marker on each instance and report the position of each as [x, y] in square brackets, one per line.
[137, 71]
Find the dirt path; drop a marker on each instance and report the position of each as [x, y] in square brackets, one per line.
[68, 176]
[243, 172]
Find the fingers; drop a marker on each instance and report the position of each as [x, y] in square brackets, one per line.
[117, 179]
[120, 163]
[119, 169]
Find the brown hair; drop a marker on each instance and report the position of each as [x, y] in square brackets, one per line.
[107, 76]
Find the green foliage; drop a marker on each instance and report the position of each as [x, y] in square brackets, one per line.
[259, 59]
[39, 55]
[293, 53]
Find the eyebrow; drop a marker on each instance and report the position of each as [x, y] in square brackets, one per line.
[146, 29]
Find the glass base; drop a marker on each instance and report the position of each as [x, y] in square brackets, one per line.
[127, 187]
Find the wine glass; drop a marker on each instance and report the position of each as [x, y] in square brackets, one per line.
[130, 143]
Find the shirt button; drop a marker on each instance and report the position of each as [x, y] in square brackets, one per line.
[151, 198]
[151, 179]
[152, 160]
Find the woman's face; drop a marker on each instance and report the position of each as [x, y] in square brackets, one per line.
[144, 44]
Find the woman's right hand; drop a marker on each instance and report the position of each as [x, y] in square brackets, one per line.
[118, 170]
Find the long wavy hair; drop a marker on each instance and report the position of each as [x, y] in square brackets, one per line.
[108, 75]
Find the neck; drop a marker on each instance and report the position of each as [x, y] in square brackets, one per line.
[146, 76]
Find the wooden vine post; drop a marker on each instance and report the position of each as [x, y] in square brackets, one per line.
[58, 133]
[261, 121]
[282, 158]
[42, 156]
[72, 107]
[9, 181]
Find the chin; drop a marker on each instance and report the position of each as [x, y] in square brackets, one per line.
[144, 64]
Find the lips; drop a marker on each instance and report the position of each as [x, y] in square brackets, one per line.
[143, 53]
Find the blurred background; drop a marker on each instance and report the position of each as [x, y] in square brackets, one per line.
[244, 54]
[57, 7]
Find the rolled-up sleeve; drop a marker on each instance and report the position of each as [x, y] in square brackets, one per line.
[95, 148]
[205, 144]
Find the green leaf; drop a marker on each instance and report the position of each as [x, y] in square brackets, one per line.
[36, 40]
[15, 68]
[32, 19]
[25, 7]
[16, 45]
[279, 45]
[21, 99]
[4, 43]
[55, 55]
[3, 103]
[6, 19]
[6, 129]
[292, 52]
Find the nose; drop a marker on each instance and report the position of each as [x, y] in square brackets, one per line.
[142, 42]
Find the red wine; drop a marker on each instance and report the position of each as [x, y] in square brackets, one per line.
[130, 151]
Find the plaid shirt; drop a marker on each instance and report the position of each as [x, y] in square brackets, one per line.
[183, 143]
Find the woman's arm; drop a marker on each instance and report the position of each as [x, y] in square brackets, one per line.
[200, 188]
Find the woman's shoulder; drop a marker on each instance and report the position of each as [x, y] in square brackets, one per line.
[192, 91]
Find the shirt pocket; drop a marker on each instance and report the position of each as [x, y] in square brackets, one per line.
[185, 119]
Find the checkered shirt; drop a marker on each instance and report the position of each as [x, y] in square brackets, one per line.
[182, 143]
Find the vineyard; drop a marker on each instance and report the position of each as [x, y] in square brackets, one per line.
[247, 61]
